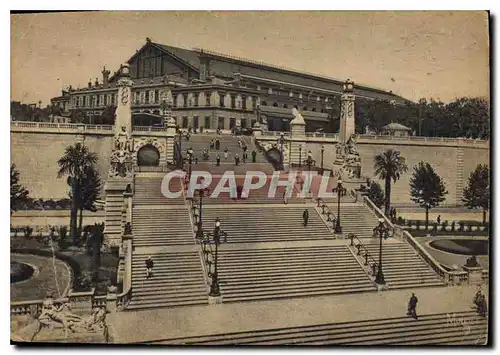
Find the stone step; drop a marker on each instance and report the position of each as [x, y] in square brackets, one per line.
[400, 330]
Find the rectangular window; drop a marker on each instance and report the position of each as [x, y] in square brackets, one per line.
[243, 123]
[221, 123]
[146, 97]
[184, 122]
[105, 100]
[244, 102]
[196, 123]
[207, 122]
[233, 101]
[157, 98]
[195, 99]
[221, 100]
[232, 123]
[207, 99]
[185, 100]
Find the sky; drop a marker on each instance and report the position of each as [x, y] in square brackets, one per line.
[441, 55]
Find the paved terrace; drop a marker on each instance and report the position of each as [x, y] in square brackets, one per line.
[157, 324]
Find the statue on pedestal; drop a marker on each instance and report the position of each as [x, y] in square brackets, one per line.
[121, 156]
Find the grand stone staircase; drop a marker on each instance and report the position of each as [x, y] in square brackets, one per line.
[430, 329]
[258, 274]
[162, 226]
[177, 281]
[403, 267]
[268, 224]
[148, 190]
[355, 218]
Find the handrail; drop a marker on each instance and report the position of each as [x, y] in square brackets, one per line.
[447, 276]
[367, 252]
[124, 298]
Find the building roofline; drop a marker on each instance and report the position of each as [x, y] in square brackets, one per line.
[203, 51]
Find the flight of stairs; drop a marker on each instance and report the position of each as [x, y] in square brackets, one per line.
[158, 227]
[147, 190]
[355, 218]
[402, 267]
[429, 329]
[177, 281]
[267, 224]
[229, 165]
[258, 274]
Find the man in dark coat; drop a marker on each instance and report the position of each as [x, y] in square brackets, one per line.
[412, 306]
[305, 216]
[217, 144]
[254, 156]
[237, 160]
[149, 267]
[218, 159]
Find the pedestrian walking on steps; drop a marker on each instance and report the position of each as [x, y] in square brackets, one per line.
[212, 144]
[226, 152]
[217, 144]
[412, 306]
[305, 217]
[237, 159]
[285, 198]
[254, 156]
[245, 157]
[217, 159]
[149, 267]
[439, 219]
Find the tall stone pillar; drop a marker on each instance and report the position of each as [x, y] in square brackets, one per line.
[124, 101]
[347, 125]
[167, 102]
[297, 131]
[120, 173]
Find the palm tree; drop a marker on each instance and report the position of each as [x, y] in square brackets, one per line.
[90, 187]
[75, 163]
[389, 165]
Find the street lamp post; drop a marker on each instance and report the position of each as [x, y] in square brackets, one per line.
[180, 163]
[190, 160]
[300, 155]
[214, 286]
[282, 142]
[383, 232]
[201, 193]
[322, 152]
[338, 190]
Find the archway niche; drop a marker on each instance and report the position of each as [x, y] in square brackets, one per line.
[148, 155]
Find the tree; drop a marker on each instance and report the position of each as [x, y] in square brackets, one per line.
[427, 188]
[376, 194]
[477, 191]
[75, 163]
[18, 194]
[389, 165]
[97, 237]
[90, 187]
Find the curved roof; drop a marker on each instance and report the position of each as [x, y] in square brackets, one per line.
[396, 127]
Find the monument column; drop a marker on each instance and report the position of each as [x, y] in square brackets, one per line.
[347, 125]
[124, 101]
[298, 134]
[121, 172]
[167, 101]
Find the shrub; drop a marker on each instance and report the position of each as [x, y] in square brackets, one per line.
[84, 281]
[28, 231]
[461, 226]
[401, 221]
[435, 227]
[444, 225]
[409, 223]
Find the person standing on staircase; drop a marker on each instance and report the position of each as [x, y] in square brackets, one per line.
[217, 159]
[226, 152]
[149, 267]
[237, 159]
[412, 306]
[305, 217]
[217, 144]
[254, 156]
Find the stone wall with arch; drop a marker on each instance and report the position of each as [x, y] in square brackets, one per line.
[156, 142]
